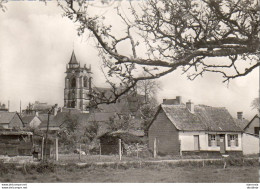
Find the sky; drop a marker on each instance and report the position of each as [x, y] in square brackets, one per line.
[36, 43]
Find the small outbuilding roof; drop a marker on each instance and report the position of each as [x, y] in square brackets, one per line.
[15, 132]
[126, 136]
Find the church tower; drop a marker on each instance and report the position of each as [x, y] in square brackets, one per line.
[77, 86]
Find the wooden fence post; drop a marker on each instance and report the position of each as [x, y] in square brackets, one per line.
[42, 150]
[120, 154]
[57, 149]
[99, 151]
[154, 148]
[137, 150]
[79, 151]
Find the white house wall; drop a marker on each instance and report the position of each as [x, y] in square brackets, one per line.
[187, 141]
[250, 144]
[35, 122]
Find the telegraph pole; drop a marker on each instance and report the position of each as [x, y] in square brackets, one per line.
[47, 130]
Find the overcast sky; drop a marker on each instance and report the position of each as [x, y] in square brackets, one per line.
[36, 43]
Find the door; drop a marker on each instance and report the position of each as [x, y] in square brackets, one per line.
[196, 143]
[222, 144]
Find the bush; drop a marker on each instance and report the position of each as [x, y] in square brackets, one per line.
[5, 168]
[43, 167]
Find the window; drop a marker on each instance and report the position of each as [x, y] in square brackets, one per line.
[73, 83]
[213, 140]
[232, 140]
[256, 130]
[85, 82]
[73, 104]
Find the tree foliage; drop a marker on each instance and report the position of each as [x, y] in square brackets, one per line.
[161, 36]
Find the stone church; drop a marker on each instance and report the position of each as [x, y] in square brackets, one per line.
[77, 86]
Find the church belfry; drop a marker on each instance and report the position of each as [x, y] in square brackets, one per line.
[77, 86]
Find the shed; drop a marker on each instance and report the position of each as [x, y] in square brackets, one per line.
[14, 143]
[109, 142]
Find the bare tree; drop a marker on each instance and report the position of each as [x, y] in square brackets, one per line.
[256, 104]
[166, 35]
[149, 89]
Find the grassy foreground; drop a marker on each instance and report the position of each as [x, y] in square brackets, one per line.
[138, 173]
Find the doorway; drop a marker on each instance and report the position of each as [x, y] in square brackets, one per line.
[222, 144]
[196, 143]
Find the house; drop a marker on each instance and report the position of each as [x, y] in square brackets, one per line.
[180, 129]
[31, 121]
[253, 126]
[10, 120]
[250, 137]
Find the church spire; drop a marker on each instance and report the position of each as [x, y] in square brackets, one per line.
[73, 59]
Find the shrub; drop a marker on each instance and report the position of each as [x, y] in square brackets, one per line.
[45, 167]
[5, 168]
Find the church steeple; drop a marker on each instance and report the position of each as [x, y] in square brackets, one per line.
[77, 85]
[73, 59]
[73, 63]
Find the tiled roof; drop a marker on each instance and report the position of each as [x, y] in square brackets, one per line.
[242, 123]
[249, 122]
[6, 117]
[62, 117]
[102, 116]
[123, 106]
[204, 118]
[28, 119]
[44, 117]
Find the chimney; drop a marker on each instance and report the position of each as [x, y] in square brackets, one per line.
[240, 115]
[178, 99]
[190, 106]
[37, 113]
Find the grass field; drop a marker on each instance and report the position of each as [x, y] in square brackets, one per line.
[124, 174]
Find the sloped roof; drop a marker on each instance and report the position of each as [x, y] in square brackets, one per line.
[6, 117]
[44, 117]
[249, 122]
[242, 123]
[102, 116]
[126, 136]
[28, 119]
[204, 118]
[62, 117]
[73, 59]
